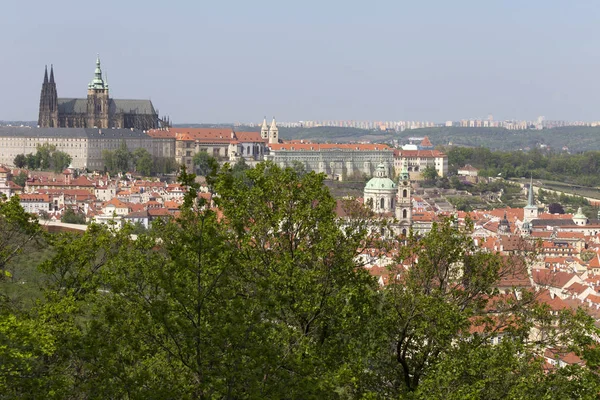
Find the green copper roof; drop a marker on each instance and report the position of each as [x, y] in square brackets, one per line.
[580, 214]
[381, 180]
[97, 82]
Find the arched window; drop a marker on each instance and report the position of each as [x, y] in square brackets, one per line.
[404, 213]
[403, 232]
[382, 203]
[405, 193]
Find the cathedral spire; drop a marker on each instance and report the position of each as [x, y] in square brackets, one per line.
[51, 73]
[97, 82]
[264, 130]
[45, 74]
[273, 132]
[530, 197]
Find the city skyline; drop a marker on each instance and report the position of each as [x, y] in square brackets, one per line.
[213, 62]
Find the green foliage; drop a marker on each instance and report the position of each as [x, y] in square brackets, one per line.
[429, 173]
[45, 158]
[122, 157]
[205, 164]
[581, 169]
[140, 160]
[32, 161]
[71, 217]
[20, 161]
[143, 161]
[20, 179]
[60, 160]
[265, 299]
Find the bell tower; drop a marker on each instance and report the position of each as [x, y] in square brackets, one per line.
[273, 132]
[97, 100]
[404, 203]
[264, 130]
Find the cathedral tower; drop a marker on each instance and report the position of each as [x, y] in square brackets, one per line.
[97, 100]
[48, 115]
[404, 203]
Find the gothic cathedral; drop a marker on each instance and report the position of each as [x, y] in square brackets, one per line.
[97, 111]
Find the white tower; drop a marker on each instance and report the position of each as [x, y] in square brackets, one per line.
[264, 130]
[531, 210]
[404, 203]
[273, 132]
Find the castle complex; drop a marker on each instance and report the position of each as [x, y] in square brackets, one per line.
[98, 110]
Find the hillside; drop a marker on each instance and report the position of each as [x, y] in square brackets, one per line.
[576, 139]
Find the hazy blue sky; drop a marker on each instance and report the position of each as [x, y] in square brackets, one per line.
[222, 61]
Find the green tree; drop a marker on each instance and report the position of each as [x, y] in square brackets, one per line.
[429, 173]
[44, 154]
[205, 164]
[122, 158]
[71, 217]
[59, 161]
[312, 315]
[108, 157]
[143, 161]
[20, 161]
[32, 161]
[20, 179]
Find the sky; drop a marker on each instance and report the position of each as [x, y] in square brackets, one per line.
[228, 61]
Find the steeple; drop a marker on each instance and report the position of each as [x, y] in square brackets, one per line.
[530, 197]
[48, 111]
[531, 210]
[273, 132]
[97, 82]
[404, 175]
[264, 130]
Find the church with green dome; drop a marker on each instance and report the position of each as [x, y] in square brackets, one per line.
[390, 199]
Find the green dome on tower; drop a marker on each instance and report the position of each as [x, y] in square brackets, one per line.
[380, 180]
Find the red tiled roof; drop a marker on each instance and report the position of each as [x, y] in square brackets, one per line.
[468, 167]
[249, 137]
[161, 133]
[34, 197]
[421, 153]
[546, 277]
[115, 202]
[328, 146]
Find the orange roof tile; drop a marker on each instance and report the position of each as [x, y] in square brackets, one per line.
[421, 153]
[426, 142]
[328, 146]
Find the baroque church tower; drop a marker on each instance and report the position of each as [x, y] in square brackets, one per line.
[48, 115]
[97, 100]
[404, 203]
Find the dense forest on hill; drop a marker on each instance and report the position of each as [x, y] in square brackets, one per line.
[580, 169]
[214, 305]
